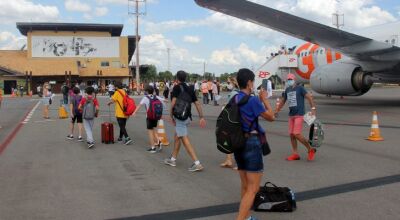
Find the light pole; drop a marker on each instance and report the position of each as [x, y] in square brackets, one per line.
[137, 14]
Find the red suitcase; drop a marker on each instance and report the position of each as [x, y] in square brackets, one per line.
[107, 131]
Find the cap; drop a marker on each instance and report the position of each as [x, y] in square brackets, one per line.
[291, 76]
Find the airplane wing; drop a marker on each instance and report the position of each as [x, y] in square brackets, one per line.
[355, 46]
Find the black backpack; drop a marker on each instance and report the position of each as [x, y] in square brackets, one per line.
[229, 133]
[183, 105]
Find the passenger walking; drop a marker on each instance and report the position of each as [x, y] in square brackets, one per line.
[196, 88]
[64, 91]
[209, 87]
[118, 99]
[215, 93]
[90, 110]
[76, 114]
[204, 90]
[154, 110]
[182, 99]
[46, 100]
[250, 158]
[233, 85]
[295, 95]
[111, 89]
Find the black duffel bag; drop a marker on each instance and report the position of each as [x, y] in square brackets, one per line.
[274, 199]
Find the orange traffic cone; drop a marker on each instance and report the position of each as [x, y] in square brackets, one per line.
[30, 93]
[375, 134]
[161, 133]
[13, 94]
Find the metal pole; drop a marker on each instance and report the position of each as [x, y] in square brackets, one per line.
[137, 48]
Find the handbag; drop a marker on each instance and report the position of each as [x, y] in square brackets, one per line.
[50, 101]
[274, 199]
[264, 144]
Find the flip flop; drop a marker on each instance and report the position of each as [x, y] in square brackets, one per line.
[224, 165]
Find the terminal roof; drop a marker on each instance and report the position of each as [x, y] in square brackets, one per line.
[114, 29]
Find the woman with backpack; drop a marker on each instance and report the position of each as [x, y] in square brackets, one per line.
[89, 106]
[154, 110]
[249, 158]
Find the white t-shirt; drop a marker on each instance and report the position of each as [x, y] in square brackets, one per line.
[146, 101]
[196, 86]
[157, 85]
[111, 88]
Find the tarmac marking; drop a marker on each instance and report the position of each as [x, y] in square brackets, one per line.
[301, 196]
[11, 136]
[30, 114]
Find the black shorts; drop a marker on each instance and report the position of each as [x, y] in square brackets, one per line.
[77, 118]
[151, 124]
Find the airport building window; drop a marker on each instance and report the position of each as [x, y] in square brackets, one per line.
[105, 63]
[115, 64]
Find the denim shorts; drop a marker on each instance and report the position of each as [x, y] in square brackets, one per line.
[181, 127]
[250, 158]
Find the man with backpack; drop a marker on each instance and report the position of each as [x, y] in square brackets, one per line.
[154, 110]
[118, 98]
[295, 95]
[90, 109]
[182, 99]
[76, 114]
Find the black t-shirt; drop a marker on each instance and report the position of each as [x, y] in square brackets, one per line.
[176, 91]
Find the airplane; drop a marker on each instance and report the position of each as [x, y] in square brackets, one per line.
[333, 61]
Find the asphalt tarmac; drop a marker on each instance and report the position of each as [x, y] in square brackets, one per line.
[45, 176]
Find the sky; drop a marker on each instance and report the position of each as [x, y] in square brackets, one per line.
[193, 34]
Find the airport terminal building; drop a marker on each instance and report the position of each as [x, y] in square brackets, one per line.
[67, 52]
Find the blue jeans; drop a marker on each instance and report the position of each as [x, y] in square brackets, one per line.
[250, 158]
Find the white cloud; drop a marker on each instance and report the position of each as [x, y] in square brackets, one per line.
[124, 2]
[224, 57]
[76, 5]
[25, 10]
[101, 11]
[166, 26]
[9, 41]
[191, 39]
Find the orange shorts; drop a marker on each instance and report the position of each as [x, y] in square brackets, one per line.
[295, 124]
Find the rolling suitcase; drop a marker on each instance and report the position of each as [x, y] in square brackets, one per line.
[107, 132]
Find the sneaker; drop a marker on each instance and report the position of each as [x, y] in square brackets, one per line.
[80, 139]
[293, 157]
[70, 137]
[119, 140]
[152, 150]
[128, 141]
[311, 154]
[195, 168]
[168, 161]
[90, 145]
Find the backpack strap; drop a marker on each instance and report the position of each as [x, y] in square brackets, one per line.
[122, 97]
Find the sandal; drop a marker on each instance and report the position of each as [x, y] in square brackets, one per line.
[226, 165]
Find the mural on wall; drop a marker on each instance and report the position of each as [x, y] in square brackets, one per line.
[51, 46]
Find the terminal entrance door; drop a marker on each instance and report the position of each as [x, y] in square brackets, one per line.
[8, 85]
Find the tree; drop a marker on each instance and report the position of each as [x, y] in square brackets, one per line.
[167, 75]
[150, 74]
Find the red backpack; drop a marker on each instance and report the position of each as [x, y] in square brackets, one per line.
[128, 105]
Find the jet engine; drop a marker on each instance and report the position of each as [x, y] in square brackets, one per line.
[344, 79]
